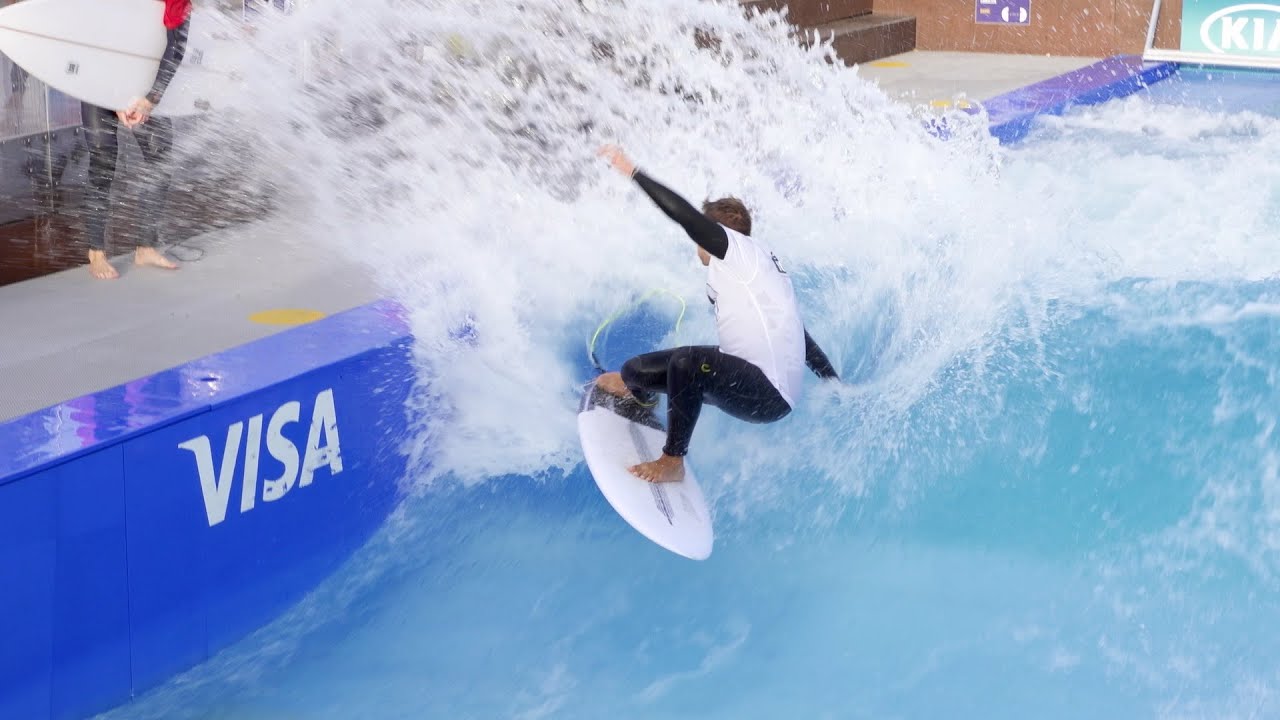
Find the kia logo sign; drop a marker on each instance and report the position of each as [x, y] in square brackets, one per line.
[1251, 27]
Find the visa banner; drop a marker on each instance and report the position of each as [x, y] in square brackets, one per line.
[1231, 27]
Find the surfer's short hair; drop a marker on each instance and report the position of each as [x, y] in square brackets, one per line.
[729, 212]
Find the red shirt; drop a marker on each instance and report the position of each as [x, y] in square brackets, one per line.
[176, 12]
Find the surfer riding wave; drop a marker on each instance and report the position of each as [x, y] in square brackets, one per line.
[756, 371]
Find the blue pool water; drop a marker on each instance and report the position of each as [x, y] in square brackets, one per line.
[1219, 89]
[1048, 487]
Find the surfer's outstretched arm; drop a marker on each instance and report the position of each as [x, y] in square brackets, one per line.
[817, 360]
[174, 49]
[704, 231]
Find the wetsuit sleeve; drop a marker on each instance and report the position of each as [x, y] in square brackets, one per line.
[174, 49]
[702, 229]
[817, 360]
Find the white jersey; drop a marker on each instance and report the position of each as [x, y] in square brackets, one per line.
[756, 314]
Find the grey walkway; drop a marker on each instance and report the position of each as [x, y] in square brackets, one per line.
[923, 78]
[67, 335]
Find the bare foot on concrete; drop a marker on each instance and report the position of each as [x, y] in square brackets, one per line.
[150, 257]
[99, 267]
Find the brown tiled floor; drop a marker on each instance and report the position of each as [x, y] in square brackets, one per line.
[38, 247]
[53, 239]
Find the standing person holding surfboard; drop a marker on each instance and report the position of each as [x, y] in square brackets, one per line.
[756, 371]
[155, 139]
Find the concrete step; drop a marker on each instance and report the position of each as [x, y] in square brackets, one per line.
[762, 6]
[808, 13]
[812, 13]
[870, 37]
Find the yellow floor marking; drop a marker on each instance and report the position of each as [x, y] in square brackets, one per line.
[286, 316]
[889, 64]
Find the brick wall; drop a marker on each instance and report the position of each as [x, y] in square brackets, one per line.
[1087, 28]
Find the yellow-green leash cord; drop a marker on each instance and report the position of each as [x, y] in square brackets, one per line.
[591, 346]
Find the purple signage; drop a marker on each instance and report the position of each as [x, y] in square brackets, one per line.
[1002, 12]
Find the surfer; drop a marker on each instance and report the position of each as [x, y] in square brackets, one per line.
[755, 373]
[155, 139]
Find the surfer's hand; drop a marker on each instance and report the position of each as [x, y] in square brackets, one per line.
[138, 112]
[618, 159]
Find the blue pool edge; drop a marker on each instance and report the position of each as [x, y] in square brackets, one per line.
[1012, 115]
[145, 527]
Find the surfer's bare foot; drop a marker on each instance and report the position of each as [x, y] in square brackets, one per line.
[150, 257]
[664, 469]
[99, 267]
[612, 384]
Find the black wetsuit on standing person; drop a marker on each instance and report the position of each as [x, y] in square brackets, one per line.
[155, 139]
[750, 376]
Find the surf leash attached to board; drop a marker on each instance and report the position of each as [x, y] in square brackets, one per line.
[591, 345]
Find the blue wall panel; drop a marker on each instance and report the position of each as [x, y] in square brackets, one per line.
[222, 541]
[166, 600]
[266, 557]
[375, 458]
[91, 607]
[147, 526]
[28, 545]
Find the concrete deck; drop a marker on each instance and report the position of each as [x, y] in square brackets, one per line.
[939, 78]
[65, 335]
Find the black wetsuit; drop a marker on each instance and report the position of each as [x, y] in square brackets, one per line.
[691, 376]
[155, 139]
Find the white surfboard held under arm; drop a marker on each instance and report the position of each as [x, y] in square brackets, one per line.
[107, 52]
